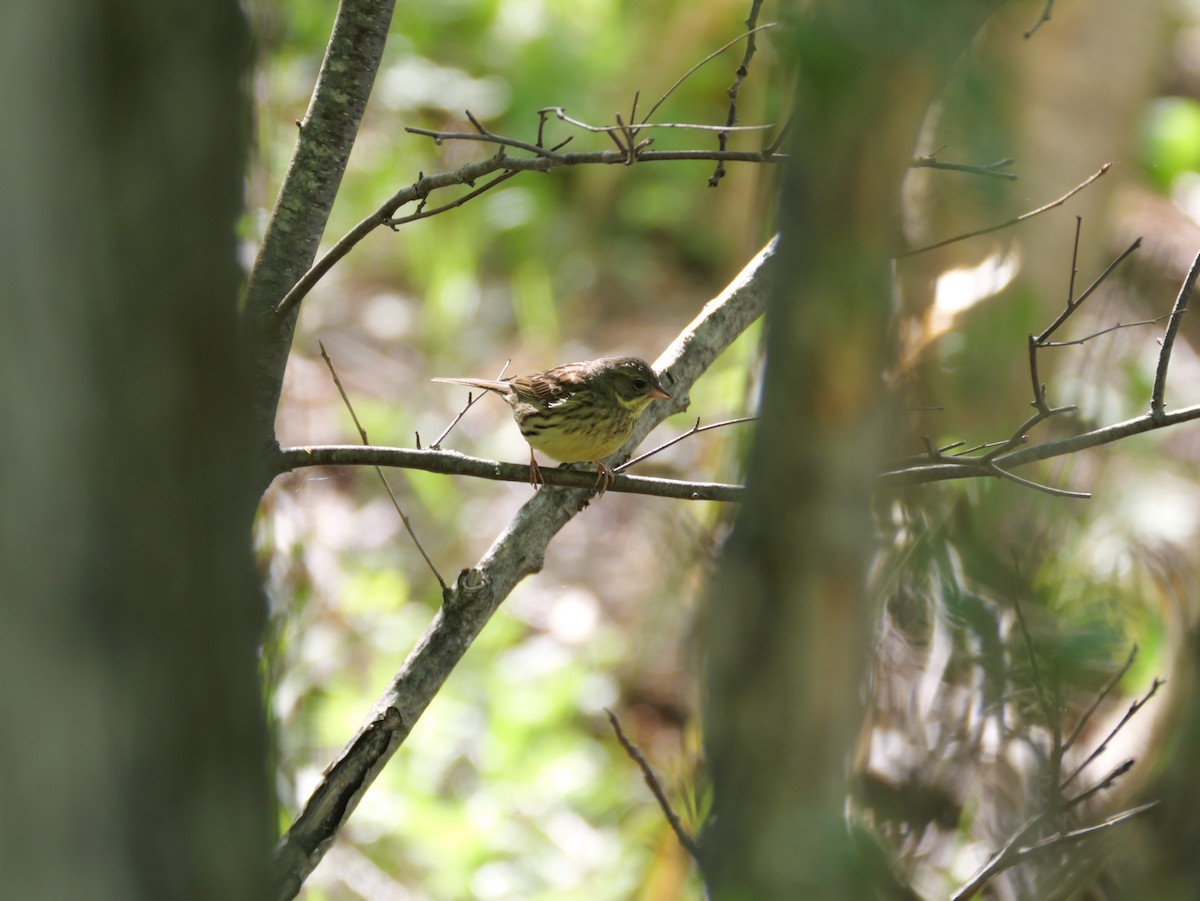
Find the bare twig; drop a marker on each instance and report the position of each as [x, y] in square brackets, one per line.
[972, 467]
[1168, 341]
[1045, 17]
[749, 34]
[1053, 715]
[620, 128]
[1105, 331]
[694, 430]
[990, 170]
[470, 172]
[1000, 457]
[1019, 219]
[472, 399]
[1104, 693]
[454, 463]
[735, 89]
[1012, 853]
[656, 788]
[1137, 705]
[395, 503]
[1073, 305]
[1002, 473]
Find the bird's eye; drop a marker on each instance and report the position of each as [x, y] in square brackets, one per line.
[640, 384]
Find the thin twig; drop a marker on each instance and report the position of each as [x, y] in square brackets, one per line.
[560, 113]
[1105, 331]
[1073, 305]
[395, 503]
[454, 463]
[688, 74]
[972, 468]
[1104, 692]
[735, 89]
[990, 170]
[1053, 716]
[1168, 341]
[1074, 259]
[656, 789]
[471, 401]
[1011, 855]
[1045, 17]
[470, 172]
[1019, 219]
[1037, 486]
[694, 430]
[1137, 705]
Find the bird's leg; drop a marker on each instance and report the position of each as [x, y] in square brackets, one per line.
[604, 478]
[535, 472]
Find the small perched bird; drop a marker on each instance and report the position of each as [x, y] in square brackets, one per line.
[578, 411]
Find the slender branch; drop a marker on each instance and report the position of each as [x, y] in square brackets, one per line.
[751, 31]
[1011, 222]
[379, 472]
[969, 468]
[685, 839]
[1105, 331]
[1045, 17]
[694, 430]
[472, 399]
[990, 170]
[1037, 486]
[1073, 305]
[1168, 341]
[619, 128]
[469, 173]
[1053, 715]
[453, 463]
[735, 89]
[1012, 854]
[1137, 705]
[1104, 693]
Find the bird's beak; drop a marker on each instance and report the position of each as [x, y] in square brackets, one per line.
[659, 393]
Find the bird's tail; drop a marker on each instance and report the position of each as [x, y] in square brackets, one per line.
[486, 384]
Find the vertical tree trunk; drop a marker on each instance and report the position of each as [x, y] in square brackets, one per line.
[789, 634]
[131, 731]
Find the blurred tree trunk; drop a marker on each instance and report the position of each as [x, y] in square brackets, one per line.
[789, 636]
[131, 734]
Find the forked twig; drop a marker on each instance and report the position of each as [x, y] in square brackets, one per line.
[1134, 707]
[472, 399]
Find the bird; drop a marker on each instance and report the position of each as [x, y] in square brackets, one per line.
[577, 412]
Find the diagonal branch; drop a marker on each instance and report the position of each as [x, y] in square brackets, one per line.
[1168, 341]
[479, 591]
[1011, 222]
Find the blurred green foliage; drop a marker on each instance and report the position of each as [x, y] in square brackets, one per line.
[1170, 139]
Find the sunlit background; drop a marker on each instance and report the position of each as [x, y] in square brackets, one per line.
[512, 785]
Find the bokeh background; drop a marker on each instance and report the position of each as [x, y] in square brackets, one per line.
[512, 785]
